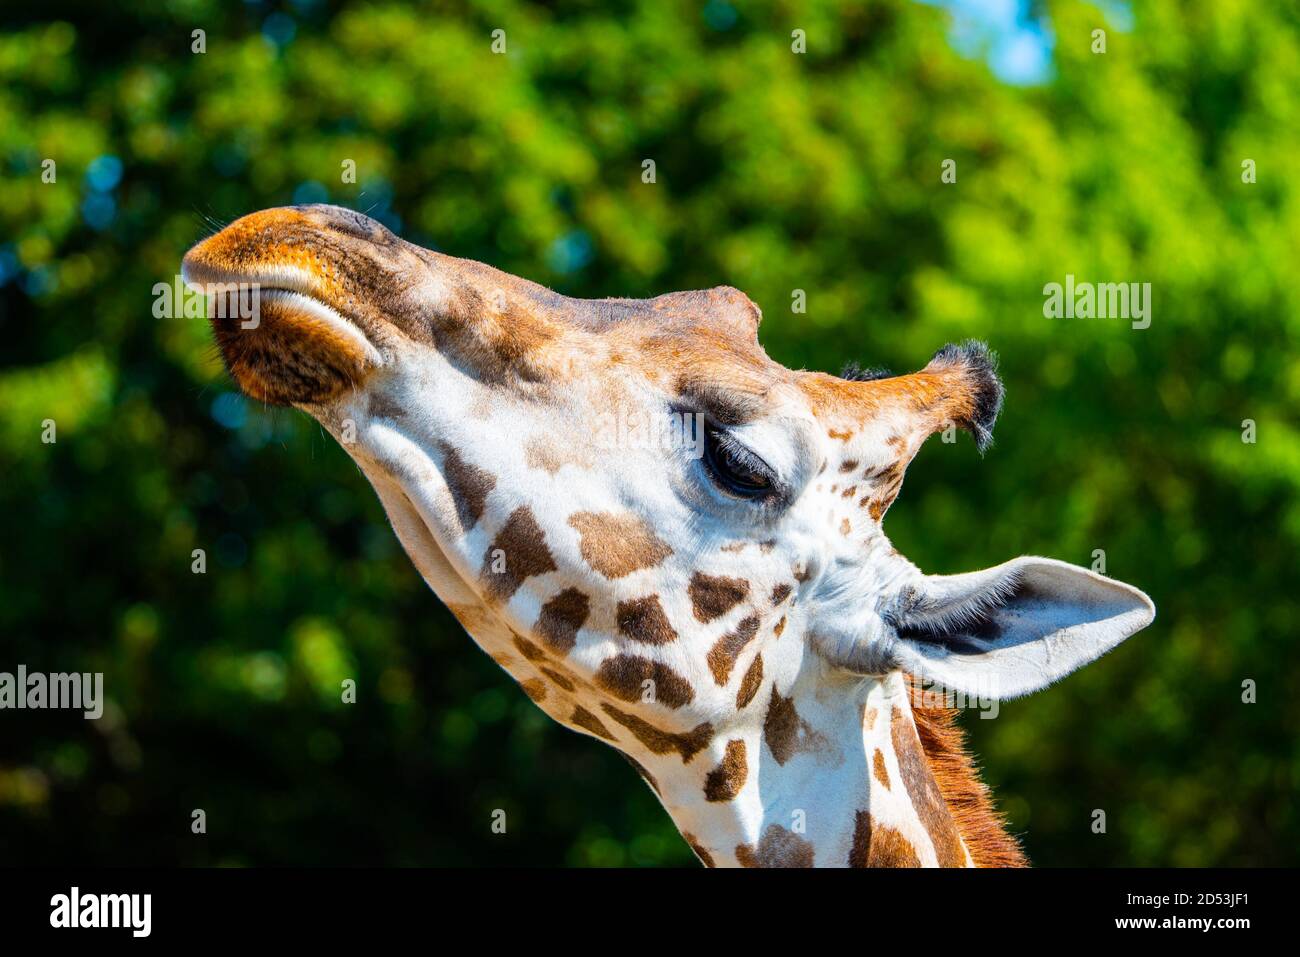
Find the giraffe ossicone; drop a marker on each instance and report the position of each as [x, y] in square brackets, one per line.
[723, 607]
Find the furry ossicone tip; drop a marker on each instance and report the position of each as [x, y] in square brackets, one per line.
[979, 364]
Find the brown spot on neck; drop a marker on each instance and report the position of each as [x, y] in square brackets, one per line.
[520, 550]
[700, 851]
[625, 677]
[750, 684]
[527, 648]
[560, 618]
[535, 688]
[924, 791]
[725, 781]
[785, 732]
[878, 845]
[561, 680]
[879, 770]
[589, 722]
[687, 744]
[776, 848]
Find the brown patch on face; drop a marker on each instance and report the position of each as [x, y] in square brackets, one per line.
[767, 546]
[725, 781]
[617, 545]
[705, 857]
[535, 689]
[801, 573]
[624, 676]
[643, 620]
[777, 848]
[781, 592]
[845, 527]
[381, 406]
[849, 492]
[848, 465]
[877, 509]
[780, 627]
[469, 486]
[785, 732]
[687, 744]
[589, 722]
[560, 619]
[722, 656]
[840, 436]
[924, 791]
[879, 770]
[527, 648]
[560, 680]
[869, 718]
[750, 684]
[714, 596]
[550, 458]
[733, 548]
[878, 845]
[492, 325]
[521, 547]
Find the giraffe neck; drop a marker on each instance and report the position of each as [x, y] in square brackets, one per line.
[836, 776]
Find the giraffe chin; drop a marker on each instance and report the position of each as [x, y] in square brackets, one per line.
[293, 350]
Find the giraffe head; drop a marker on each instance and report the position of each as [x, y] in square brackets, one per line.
[672, 542]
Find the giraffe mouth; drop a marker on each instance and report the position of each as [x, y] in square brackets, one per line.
[281, 338]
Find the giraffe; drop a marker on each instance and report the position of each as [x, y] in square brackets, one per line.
[724, 609]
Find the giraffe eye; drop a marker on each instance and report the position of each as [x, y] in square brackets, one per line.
[736, 469]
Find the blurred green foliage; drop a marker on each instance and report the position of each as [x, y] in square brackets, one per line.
[775, 172]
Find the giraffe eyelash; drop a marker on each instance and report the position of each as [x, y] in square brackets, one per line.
[724, 454]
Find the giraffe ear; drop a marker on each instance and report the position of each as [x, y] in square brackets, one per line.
[1015, 628]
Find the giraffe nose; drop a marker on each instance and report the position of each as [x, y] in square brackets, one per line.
[308, 334]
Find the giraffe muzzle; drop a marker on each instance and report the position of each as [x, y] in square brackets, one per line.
[295, 300]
